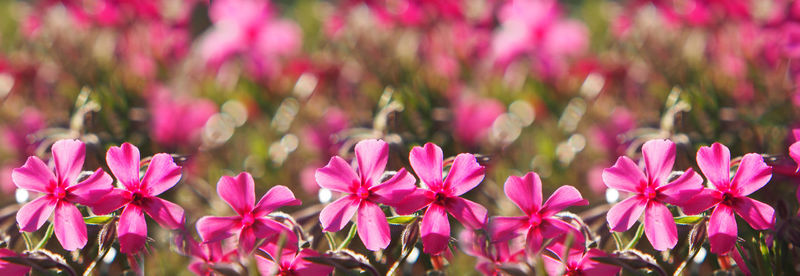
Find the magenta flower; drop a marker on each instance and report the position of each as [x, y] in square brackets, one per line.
[291, 264]
[730, 195]
[539, 220]
[491, 256]
[251, 222]
[442, 197]
[12, 269]
[165, 129]
[363, 191]
[473, 116]
[577, 263]
[650, 192]
[61, 190]
[138, 196]
[794, 152]
[206, 255]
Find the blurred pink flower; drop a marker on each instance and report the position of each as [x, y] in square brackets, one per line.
[321, 136]
[251, 222]
[61, 190]
[794, 152]
[138, 196]
[178, 121]
[473, 117]
[248, 28]
[491, 256]
[535, 29]
[17, 136]
[443, 197]
[609, 135]
[363, 190]
[206, 255]
[651, 192]
[11, 269]
[577, 263]
[730, 195]
[291, 263]
[539, 220]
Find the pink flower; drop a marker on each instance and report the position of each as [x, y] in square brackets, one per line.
[442, 197]
[178, 121]
[794, 152]
[12, 269]
[291, 263]
[206, 255]
[539, 220]
[650, 192]
[491, 256]
[138, 196]
[577, 263]
[61, 190]
[251, 222]
[473, 118]
[363, 193]
[730, 195]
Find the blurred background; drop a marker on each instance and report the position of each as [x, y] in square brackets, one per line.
[276, 88]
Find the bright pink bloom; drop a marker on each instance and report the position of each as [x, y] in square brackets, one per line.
[539, 220]
[442, 197]
[206, 255]
[252, 221]
[794, 152]
[363, 193]
[291, 263]
[650, 192]
[178, 120]
[473, 116]
[138, 196]
[491, 256]
[61, 190]
[730, 195]
[11, 269]
[577, 263]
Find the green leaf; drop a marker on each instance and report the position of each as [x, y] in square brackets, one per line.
[401, 219]
[688, 219]
[97, 219]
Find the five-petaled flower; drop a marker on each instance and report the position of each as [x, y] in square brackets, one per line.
[442, 197]
[539, 220]
[138, 195]
[61, 190]
[730, 195]
[650, 191]
[363, 193]
[252, 221]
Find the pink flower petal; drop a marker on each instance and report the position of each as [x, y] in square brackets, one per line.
[372, 226]
[33, 215]
[238, 192]
[659, 226]
[34, 176]
[214, 229]
[752, 174]
[266, 266]
[131, 230]
[69, 227]
[760, 216]
[722, 229]
[554, 228]
[68, 156]
[113, 200]
[276, 197]
[124, 164]
[794, 152]
[162, 174]
[464, 175]
[624, 176]
[737, 258]
[715, 163]
[471, 214]
[372, 156]
[534, 240]
[503, 229]
[591, 267]
[525, 192]
[552, 266]
[703, 200]
[167, 214]
[435, 230]
[265, 227]
[623, 215]
[337, 214]
[682, 189]
[659, 156]
[304, 267]
[415, 201]
[247, 240]
[563, 197]
[395, 190]
[427, 164]
[337, 176]
[92, 189]
[12, 269]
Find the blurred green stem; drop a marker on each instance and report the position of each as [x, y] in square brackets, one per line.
[349, 238]
[46, 237]
[617, 239]
[331, 240]
[28, 243]
[636, 237]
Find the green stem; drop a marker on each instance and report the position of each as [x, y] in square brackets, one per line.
[46, 237]
[617, 240]
[636, 237]
[28, 242]
[331, 240]
[350, 236]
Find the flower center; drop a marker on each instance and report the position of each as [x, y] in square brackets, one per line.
[362, 193]
[535, 220]
[137, 197]
[727, 198]
[440, 197]
[59, 192]
[649, 192]
[248, 220]
[573, 272]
